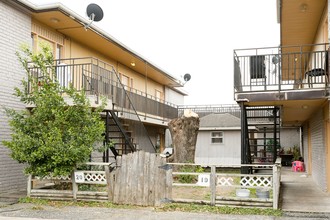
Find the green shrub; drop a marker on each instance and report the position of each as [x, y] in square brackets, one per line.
[189, 169]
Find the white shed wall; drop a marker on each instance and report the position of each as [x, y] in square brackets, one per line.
[228, 152]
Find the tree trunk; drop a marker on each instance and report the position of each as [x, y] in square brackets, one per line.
[184, 132]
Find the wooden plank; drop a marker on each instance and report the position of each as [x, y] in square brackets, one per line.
[107, 177]
[169, 182]
[204, 202]
[118, 191]
[244, 199]
[146, 174]
[213, 184]
[163, 179]
[276, 185]
[51, 191]
[112, 185]
[243, 203]
[151, 196]
[134, 179]
[116, 187]
[91, 193]
[74, 186]
[124, 182]
[128, 184]
[51, 198]
[29, 186]
[159, 180]
[140, 179]
[97, 164]
[185, 184]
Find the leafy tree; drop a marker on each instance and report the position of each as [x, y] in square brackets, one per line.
[53, 137]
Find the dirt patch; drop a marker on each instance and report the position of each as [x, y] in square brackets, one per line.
[200, 192]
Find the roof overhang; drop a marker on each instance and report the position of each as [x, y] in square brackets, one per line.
[72, 25]
[299, 20]
[297, 106]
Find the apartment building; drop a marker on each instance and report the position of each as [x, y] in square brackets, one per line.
[141, 97]
[290, 83]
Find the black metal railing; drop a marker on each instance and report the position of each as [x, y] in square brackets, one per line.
[203, 110]
[99, 78]
[261, 114]
[281, 68]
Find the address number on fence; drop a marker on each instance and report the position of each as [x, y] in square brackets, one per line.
[203, 180]
[79, 177]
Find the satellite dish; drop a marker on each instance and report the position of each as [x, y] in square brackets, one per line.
[275, 59]
[187, 77]
[94, 13]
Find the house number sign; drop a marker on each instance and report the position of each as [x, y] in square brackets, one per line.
[79, 177]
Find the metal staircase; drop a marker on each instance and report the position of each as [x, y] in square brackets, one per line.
[260, 134]
[117, 135]
[124, 128]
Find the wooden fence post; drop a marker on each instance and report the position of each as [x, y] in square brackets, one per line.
[109, 185]
[74, 186]
[213, 184]
[276, 186]
[29, 186]
[169, 181]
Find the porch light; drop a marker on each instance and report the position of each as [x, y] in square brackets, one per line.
[303, 8]
[304, 107]
[132, 63]
[54, 20]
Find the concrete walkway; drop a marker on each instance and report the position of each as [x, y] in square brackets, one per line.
[300, 194]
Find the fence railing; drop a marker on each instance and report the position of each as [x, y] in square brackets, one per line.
[76, 187]
[225, 185]
[143, 178]
[281, 68]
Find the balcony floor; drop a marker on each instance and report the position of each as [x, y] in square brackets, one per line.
[299, 193]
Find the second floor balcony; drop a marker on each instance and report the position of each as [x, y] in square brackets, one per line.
[98, 78]
[269, 69]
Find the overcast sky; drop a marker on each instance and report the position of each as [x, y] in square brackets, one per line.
[189, 36]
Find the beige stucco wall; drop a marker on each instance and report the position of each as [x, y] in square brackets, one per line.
[74, 49]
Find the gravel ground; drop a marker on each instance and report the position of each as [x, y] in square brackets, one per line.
[22, 211]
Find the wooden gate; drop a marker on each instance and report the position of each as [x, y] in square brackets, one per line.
[141, 178]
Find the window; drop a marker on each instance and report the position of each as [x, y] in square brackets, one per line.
[125, 80]
[158, 95]
[216, 137]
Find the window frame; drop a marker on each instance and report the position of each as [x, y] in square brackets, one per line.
[220, 137]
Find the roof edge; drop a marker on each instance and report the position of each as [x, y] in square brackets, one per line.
[60, 7]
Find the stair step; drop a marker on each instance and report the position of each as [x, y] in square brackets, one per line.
[267, 138]
[270, 117]
[256, 124]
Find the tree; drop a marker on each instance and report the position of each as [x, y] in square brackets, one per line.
[184, 132]
[53, 137]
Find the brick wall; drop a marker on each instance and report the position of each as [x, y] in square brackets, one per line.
[15, 29]
[318, 149]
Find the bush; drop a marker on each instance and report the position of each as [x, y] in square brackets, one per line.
[189, 169]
